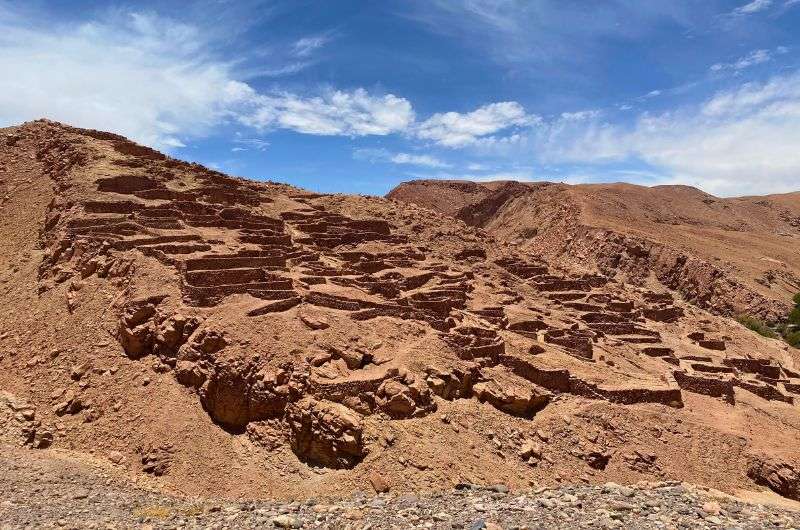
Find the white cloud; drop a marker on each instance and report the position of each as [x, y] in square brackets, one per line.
[751, 59]
[278, 71]
[580, 115]
[383, 155]
[741, 141]
[453, 129]
[753, 7]
[336, 112]
[136, 76]
[750, 97]
[418, 160]
[308, 45]
[156, 81]
[249, 143]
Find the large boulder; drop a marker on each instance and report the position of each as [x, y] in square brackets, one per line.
[405, 396]
[778, 475]
[236, 394]
[325, 433]
[512, 399]
[18, 424]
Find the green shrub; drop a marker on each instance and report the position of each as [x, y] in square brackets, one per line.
[789, 331]
[754, 324]
[794, 316]
[793, 338]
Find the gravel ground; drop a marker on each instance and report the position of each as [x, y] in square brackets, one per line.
[46, 492]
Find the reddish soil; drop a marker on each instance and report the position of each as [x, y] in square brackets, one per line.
[238, 338]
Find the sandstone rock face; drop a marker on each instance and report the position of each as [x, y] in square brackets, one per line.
[19, 426]
[778, 475]
[522, 402]
[404, 398]
[156, 460]
[325, 433]
[235, 396]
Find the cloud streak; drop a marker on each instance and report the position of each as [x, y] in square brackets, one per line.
[548, 32]
[385, 156]
[753, 7]
[753, 58]
[308, 45]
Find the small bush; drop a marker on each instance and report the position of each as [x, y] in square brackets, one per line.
[793, 338]
[754, 324]
[789, 331]
[794, 316]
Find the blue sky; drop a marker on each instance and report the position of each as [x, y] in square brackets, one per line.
[347, 96]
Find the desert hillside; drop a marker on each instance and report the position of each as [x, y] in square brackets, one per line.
[731, 256]
[205, 334]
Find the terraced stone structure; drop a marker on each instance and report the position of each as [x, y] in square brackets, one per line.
[339, 337]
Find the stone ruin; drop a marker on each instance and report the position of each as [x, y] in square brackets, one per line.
[216, 236]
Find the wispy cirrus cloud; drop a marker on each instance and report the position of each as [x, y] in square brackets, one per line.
[385, 156]
[307, 45]
[135, 74]
[289, 58]
[753, 58]
[548, 32]
[418, 160]
[752, 7]
[246, 143]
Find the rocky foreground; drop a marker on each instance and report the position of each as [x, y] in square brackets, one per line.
[43, 491]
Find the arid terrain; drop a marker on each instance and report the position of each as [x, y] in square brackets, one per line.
[214, 336]
[50, 489]
[728, 255]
